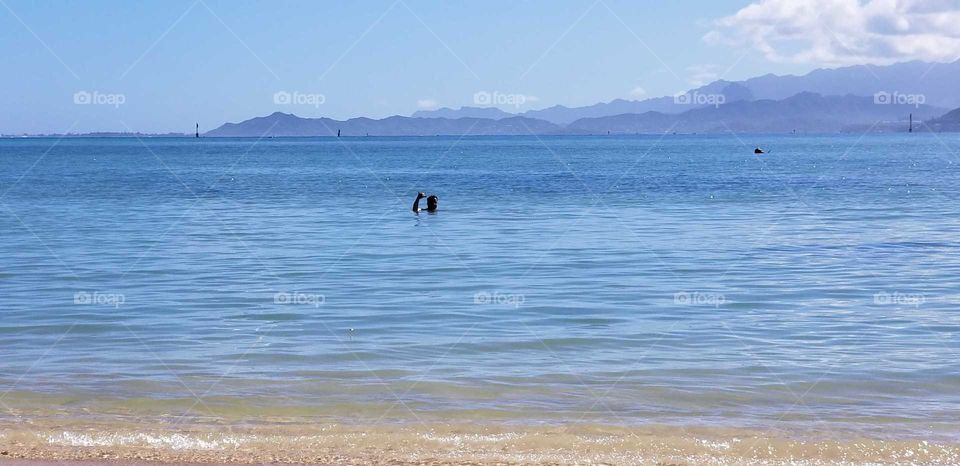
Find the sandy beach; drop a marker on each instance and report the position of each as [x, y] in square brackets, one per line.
[79, 445]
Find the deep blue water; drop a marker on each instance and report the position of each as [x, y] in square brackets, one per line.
[647, 279]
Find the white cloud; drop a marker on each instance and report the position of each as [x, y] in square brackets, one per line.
[845, 32]
[638, 92]
[427, 104]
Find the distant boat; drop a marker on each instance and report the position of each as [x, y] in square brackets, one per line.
[758, 151]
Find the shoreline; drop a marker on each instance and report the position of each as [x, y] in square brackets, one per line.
[150, 136]
[108, 443]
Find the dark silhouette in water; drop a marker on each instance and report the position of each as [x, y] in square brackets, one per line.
[431, 202]
[758, 151]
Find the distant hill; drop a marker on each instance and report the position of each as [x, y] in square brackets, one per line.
[807, 112]
[285, 124]
[731, 92]
[950, 122]
[937, 82]
[853, 98]
[101, 134]
[934, 83]
[561, 115]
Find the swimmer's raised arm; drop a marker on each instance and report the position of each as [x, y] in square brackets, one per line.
[416, 202]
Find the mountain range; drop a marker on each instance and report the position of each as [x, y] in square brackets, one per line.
[804, 112]
[935, 82]
[857, 98]
[946, 123]
[285, 124]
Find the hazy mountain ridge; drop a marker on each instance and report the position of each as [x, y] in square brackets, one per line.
[562, 115]
[948, 122]
[854, 98]
[284, 124]
[933, 83]
[804, 112]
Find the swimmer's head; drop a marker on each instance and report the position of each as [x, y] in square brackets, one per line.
[432, 203]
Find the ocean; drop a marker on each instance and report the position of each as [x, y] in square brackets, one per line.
[632, 282]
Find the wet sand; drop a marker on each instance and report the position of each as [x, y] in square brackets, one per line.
[89, 463]
[31, 444]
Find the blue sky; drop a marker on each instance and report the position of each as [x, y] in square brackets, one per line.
[177, 62]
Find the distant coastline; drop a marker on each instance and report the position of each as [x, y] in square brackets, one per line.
[883, 99]
[97, 135]
[879, 130]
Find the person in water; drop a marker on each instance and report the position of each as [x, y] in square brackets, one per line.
[431, 203]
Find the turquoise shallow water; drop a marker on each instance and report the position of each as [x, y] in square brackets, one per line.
[627, 280]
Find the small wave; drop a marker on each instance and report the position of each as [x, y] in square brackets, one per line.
[471, 438]
[166, 441]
